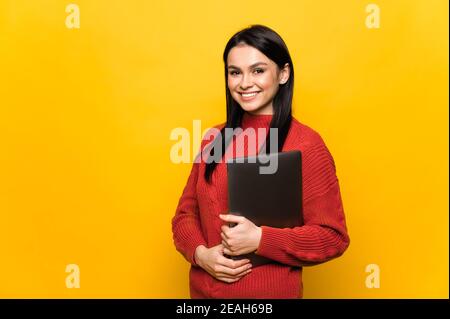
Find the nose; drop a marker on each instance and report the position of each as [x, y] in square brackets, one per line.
[246, 82]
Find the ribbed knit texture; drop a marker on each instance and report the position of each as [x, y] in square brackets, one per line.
[323, 237]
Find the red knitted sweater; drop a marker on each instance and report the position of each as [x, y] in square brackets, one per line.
[323, 236]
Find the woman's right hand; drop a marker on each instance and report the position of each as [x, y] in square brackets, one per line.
[220, 267]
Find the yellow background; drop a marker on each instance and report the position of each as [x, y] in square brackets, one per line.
[85, 118]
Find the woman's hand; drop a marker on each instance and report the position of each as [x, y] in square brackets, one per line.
[240, 239]
[220, 267]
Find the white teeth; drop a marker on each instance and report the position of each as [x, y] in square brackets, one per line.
[249, 95]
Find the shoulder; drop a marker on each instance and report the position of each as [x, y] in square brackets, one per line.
[211, 133]
[306, 135]
[318, 165]
[314, 150]
[216, 128]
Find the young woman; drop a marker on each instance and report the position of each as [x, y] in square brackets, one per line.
[259, 79]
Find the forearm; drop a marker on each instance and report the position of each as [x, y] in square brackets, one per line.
[302, 246]
[186, 224]
[323, 237]
[187, 236]
[198, 254]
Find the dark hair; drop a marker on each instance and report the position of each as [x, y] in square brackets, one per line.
[272, 45]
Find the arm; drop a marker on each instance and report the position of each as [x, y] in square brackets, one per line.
[324, 234]
[186, 228]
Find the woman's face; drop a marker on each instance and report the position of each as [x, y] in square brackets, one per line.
[254, 79]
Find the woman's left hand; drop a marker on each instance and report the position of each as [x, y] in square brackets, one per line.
[241, 239]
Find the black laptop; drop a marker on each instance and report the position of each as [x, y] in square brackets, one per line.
[266, 189]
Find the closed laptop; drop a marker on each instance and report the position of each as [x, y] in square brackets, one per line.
[267, 199]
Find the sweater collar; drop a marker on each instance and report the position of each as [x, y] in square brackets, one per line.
[255, 121]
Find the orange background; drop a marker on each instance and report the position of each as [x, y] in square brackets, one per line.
[86, 114]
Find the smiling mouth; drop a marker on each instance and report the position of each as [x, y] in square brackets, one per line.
[248, 94]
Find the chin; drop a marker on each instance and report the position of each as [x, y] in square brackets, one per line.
[251, 106]
[247, 108]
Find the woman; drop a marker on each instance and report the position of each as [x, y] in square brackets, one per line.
[259, 86]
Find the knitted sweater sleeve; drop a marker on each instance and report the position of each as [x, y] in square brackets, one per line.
[186, 228]
[324, 234]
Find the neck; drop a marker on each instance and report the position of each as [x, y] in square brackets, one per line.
[265, 110]
[256, 120]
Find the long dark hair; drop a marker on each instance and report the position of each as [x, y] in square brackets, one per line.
[272, 45]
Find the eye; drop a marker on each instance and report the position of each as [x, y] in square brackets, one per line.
[259, 70]
[233, 72]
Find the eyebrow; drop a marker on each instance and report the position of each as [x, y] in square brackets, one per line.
[251, 66]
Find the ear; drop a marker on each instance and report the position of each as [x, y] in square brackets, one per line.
[284, 74]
